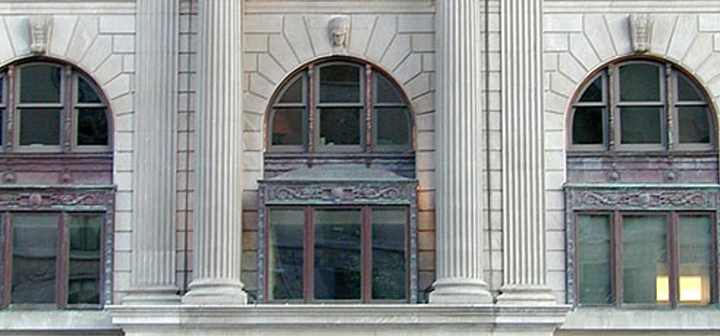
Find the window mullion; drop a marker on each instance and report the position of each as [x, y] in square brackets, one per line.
[309, 255]
[68, 111]
[670, 110]
[311, 109]
[62, 259]
[618, 266]
[612, 87]
[672, 259]
[368, 108]
[366, 255]
[10, 132]
[7, 258]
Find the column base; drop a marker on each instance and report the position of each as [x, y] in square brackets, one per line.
[216, 291]
[460, 291]
[153, 296]
[526, 295]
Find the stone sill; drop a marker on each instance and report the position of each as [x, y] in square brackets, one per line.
[366, 315]
[76, 320]
[606, 319]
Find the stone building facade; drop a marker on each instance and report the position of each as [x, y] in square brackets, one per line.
[416, 167]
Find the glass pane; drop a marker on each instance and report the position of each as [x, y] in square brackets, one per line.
[340, 84]
[594, 92]
[86, 93]
[287, 127]
[285, 255]
[641, 125]
[92, 127]
[337, 255]
[594, 255]
[588, 126]
[385, 91]
[339, 126]
[294, 91]
[39, 126]
[695, 252]
[34, 254]
[694, 124]
[40, 84]
[640, 82]
[687, 91]
[84, 263]
[389, 279]
[2, 92]
[644, 259]
[393, 126]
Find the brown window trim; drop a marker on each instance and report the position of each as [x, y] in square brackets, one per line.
[616, 270]
[366, 252]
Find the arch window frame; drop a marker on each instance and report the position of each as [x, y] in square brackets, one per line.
[69, 108]
[312, 140]
[669, 105]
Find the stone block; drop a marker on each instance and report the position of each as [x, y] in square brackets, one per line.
[62, 30]
[428, 62]
[124, 181]
[563, 23]
[249, 62]
[571, 68]
[19, 33]
[109, 69]
[699, 51]
[662, 32]
[269, 68]
[118, 86]
[619, 32]
[684, 34]
[129, 63]
[426, 260]
[709, 70]
[562, 85]
[97, 53]
[260, 86]
[426, 220]
[117, 24]
[709, 22]
[255, 43]
[123, 241]
[425, 122]
[85, 33]
[262, 23]
[408, 69]
[361, 27]
[426, 241]
[556, 42]
[426, 179]
[252, 141]
[425, 141]
[599, 36]
[280, 50]
[296, 34]
[254, 104]
[123, 141]
[424, 104]
[252, 161]
[317, 31]
[554, 121]
[383, 33]
[397, 51]
[554, 180]
[416, 23]
[423, 42]
[123, 221]
[582, 50]
[123, 43]
[121, 261]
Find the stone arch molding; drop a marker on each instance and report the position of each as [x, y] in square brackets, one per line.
[78, 40]
[684, 39]
[401, 44]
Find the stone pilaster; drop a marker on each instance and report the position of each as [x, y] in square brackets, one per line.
[523, 173]
[459, 223]
[153, 251]
[218, 186]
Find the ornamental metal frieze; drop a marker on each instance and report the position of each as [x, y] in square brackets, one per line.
[644, 199]
[54, 198]
[338, 193]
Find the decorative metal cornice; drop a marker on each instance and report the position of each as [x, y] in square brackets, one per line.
[639, 197]
[339, 192]
[55, 198]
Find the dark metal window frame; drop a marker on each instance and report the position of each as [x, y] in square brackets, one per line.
[312, 106]
[64, 202]
[366, 251]
[611, 105]
[68, 105]
[616, 201]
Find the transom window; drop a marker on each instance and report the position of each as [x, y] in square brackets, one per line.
[641, 105]
[664, 259]
[47, 107]
[339, 106]
[353, 253]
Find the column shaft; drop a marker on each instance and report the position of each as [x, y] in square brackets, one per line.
[523, 178]
[459, 223]
[153, 254]
[218, 188]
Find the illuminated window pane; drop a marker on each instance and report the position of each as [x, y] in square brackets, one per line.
[644, 257]
[285, 258]
[695, 253]
[594, 253]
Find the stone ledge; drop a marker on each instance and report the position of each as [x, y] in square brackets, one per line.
[71, 320]
[609, 319]
[267, 315]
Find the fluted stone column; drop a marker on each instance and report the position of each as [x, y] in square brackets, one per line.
[218, 186]
[523, 172]
[459, 223]
[153, 251]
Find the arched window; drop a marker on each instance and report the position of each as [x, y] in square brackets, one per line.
[642, 189]
[339, 106]
[56, 193]
[338, 207]
[641, 105]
